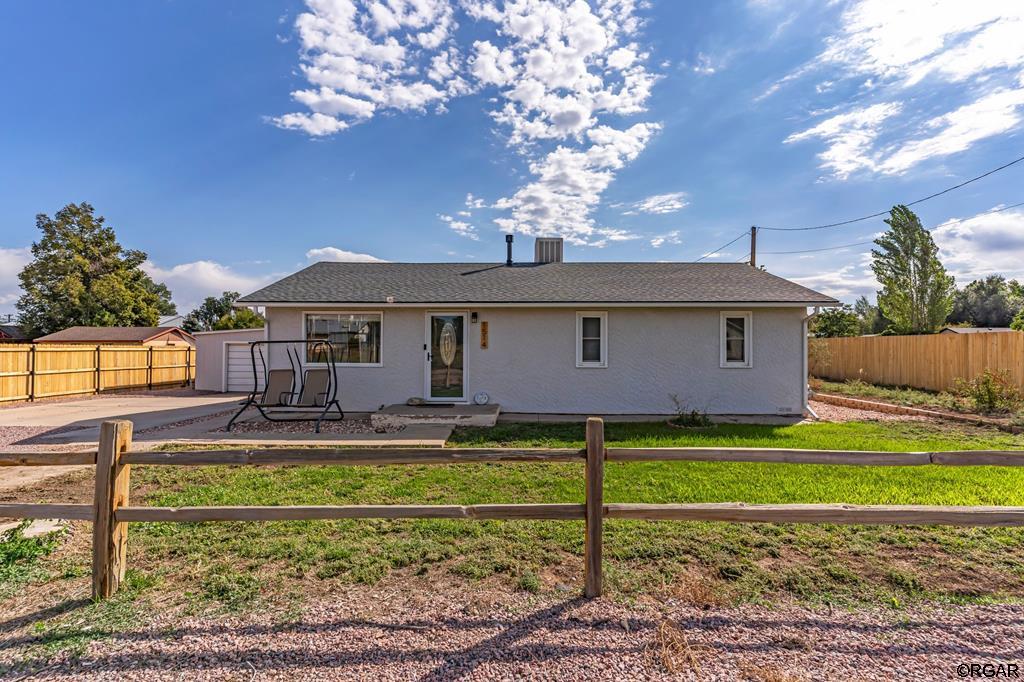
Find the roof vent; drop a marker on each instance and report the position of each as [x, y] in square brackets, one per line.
[547, 250]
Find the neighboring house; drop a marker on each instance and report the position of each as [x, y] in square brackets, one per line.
[975, 330]
[553, 337]
[171, 321]
[146, 336]
[12, 333]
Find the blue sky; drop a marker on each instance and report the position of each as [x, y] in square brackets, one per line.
[236, 142]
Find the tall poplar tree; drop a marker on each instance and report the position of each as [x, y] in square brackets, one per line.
[917, 292]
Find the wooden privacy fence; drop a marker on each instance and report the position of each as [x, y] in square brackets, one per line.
[111, 511]
[933, 362]
[30, 371]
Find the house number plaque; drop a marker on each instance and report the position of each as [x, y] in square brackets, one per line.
[483, 334]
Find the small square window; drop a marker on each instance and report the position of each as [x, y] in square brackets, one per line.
[591, 339]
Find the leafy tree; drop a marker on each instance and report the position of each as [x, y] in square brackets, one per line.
[164, 303]
[872, 321]
[989, 302]
[917, 292]
[81, 275]
[209, 312]
[840, 321]
[242, 318]
[1018, 322]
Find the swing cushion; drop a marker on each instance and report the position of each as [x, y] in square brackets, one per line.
[280, 384]
[314, 388]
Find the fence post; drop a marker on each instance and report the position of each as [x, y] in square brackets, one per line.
[594, 508]
[99, 371]
[32, 373]
[110, 537]
[149, 368]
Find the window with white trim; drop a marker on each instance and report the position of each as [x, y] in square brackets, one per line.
[736, 334]
[591, 339]
[355, 337]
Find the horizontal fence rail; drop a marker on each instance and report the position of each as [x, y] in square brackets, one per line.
[111, 511]
[30, 371]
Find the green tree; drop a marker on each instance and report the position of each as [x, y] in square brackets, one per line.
[1018, 322]
[840, 321]
[81, 275]
[872, 321]
[241, 318]
[209, 312]
[163, 295]
[917, 292]
[989, 302]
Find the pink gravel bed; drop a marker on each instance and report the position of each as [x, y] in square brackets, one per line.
[22, 439]
[446, 636]
[837, 413]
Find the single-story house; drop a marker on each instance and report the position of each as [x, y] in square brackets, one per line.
[12, 333]
[553, 337]
[146, 336]
[976, 330]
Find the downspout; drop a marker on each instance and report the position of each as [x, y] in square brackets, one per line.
[806, 377]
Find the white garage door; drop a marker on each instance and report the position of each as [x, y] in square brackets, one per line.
[239, 368]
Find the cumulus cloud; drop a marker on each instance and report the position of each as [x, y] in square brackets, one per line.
[331, 253]
[846, 284]
[983, 245]
[902, 52]
[460, 227]
[668, 238]
[658, 204]
[12, 261]
[563, 71]
[190, 283]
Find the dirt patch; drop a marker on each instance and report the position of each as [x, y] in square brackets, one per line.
[258, 425]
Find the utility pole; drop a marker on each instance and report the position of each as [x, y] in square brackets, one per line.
[753, 246]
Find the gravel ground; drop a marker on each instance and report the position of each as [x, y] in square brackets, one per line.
[21, 439]
[347, 425]
[449, 635]
[837, 413]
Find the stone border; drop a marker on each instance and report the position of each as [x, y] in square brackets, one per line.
[861, 404]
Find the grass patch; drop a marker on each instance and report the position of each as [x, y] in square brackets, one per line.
[899, 395]
[739, 562]
[21, 557]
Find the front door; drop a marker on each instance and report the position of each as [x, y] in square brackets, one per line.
[446, 357]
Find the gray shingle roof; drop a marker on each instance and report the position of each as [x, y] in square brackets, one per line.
[330, 282]
[108, 334]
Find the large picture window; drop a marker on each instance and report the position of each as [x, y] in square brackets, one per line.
[591, 339]
[735, 339]
[355, 337]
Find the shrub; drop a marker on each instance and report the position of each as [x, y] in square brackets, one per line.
[991, 391]
[687, 416]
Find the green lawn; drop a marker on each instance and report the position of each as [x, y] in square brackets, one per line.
[243, 565]
[234, 563]
[899, 395]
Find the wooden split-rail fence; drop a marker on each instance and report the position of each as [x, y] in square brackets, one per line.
[30, 371]
[112, 511]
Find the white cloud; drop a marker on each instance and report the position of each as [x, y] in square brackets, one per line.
[460, 227]
[331, 253]
[12, 261]
[847, 283]
[850, 137]
[668, 238]
[190, 283]
[983, 245]
[998, 112]
[967, 52]
[473, 203]
[560, 68]
[659, 204]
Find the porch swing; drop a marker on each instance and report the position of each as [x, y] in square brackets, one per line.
[297, 392]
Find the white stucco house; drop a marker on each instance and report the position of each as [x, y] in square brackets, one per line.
[554, 337]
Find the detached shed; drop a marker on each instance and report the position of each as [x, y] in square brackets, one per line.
[223, 362]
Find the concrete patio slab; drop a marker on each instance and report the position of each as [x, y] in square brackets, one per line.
[453, 415]
[145, 411]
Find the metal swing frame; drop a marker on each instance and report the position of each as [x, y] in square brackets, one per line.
[286, 401]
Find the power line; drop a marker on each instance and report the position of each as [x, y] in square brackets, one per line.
[846, 246]
[745, 259]
[714, 251]
[882, 213]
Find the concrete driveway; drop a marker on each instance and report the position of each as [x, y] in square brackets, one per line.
[79, 420]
